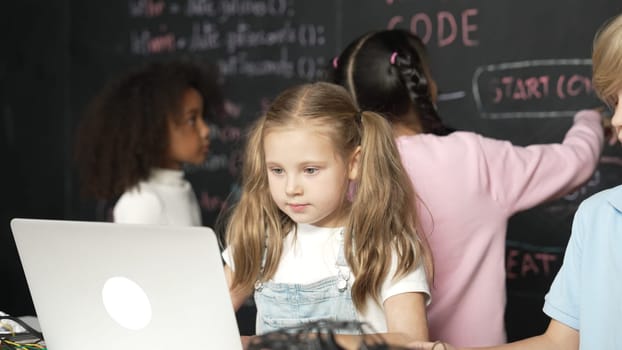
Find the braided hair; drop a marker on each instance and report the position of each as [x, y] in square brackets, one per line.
[387, 72]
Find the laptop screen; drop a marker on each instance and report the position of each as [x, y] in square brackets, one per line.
[102, 285]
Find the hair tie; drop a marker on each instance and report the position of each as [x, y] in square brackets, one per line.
[335, 62]
[358, 116]
[393, 56]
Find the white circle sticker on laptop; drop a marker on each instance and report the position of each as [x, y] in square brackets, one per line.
[126, 303]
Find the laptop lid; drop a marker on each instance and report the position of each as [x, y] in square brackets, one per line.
[107, 286]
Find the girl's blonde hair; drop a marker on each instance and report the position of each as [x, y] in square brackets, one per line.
[382, 219]
[607, 60]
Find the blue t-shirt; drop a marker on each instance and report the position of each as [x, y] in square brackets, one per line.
[587, 292]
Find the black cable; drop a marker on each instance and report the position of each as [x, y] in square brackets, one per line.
[28, 329]
[319, 335]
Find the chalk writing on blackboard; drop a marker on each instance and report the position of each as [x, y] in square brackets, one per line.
[206, 35]
[236, 32]
[533, 89]
[442, 28]
[146, 8]
[606, 175]
[215, 203]
[587, 189]
[223, 9]
[211, 203]
[530, 268]
[448, 96]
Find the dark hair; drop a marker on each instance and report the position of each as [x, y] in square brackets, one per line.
[388, 72]
[124, 133]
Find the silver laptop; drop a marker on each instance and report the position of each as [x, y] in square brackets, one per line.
[103, 286]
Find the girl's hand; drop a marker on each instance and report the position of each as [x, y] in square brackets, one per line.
[610, 135]
[437, 345]
[246, 340]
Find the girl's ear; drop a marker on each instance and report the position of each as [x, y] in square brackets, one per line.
[353, 164]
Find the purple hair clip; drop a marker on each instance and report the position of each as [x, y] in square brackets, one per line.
[335, 62]
[393, 56]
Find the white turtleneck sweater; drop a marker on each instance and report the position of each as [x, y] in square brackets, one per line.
[166, 198]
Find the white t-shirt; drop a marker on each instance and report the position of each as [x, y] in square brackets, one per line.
[311, 255]
[166, 198]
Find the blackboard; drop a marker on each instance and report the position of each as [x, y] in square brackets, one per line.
[515, 70]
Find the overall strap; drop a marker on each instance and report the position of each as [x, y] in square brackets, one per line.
[259, 282]
[343, 270]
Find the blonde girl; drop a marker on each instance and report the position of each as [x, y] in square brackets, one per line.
[325, 227]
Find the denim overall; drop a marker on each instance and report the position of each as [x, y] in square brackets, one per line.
[285, 305]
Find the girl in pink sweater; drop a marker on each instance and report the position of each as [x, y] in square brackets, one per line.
[468, 185]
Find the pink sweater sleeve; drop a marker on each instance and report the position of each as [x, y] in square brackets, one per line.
[527, 176]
